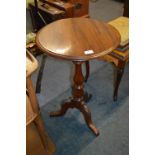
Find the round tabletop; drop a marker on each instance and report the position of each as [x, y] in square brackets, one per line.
[77, 39]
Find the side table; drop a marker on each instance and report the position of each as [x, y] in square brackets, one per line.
[77, 40]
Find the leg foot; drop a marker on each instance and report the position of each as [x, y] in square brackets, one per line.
[87, 116]
[64, 107]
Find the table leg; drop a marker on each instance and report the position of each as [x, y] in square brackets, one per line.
[119, 73]
[78, 99]
[87, 70]
[40, 74]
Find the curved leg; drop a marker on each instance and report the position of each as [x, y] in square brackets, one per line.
[87, 116]
[119, 74]
[40, 74]
[78, 99]
[64, 107]
[87, 70]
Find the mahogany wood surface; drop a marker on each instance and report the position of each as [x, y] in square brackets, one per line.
[70, 38]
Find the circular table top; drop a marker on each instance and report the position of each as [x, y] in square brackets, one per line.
[77, 39]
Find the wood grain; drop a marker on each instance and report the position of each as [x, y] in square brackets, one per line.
[69, 38]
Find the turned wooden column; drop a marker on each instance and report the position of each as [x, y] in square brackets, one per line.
[78, 87]
[78, 97]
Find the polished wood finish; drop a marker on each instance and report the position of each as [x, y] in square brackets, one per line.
[71, 39]
[87, 71]
[38, 142]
